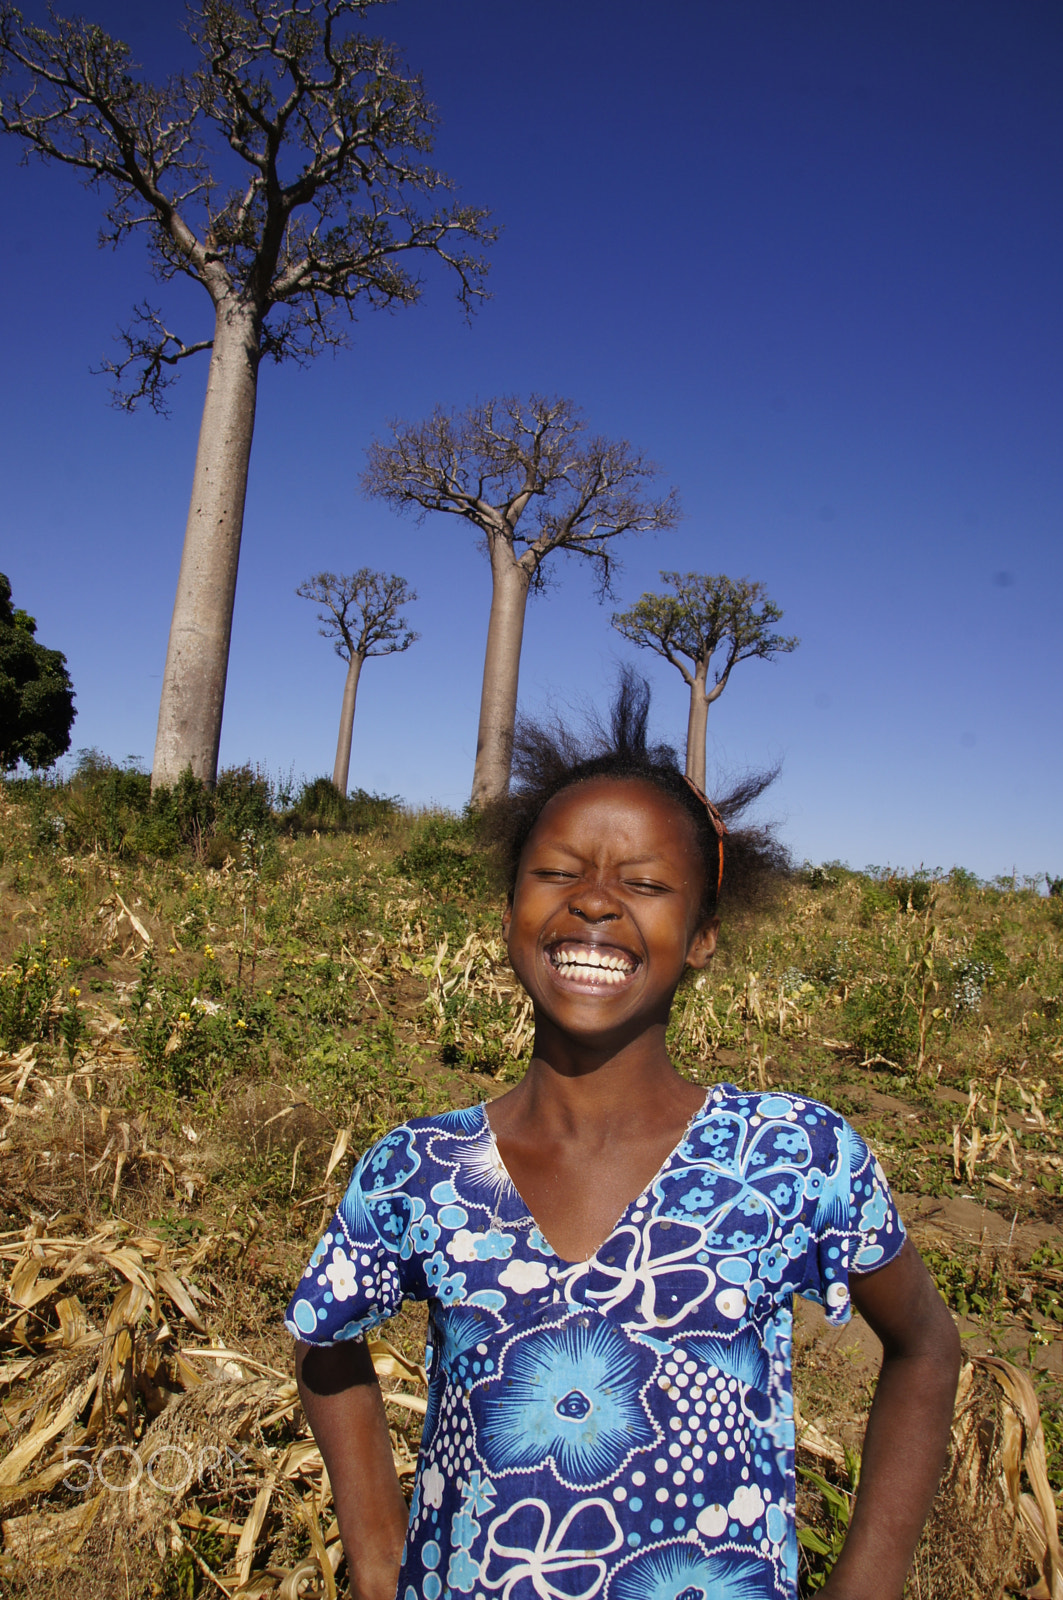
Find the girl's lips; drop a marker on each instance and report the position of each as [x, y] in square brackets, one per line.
[592, 966]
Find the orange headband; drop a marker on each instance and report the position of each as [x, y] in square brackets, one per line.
[717, 822]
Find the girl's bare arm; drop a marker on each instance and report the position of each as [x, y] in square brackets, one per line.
[343, 1405]
[908, 1429]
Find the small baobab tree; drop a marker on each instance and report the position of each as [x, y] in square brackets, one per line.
[531, 482]
[705, 617]
[286, 176]
[361, 615]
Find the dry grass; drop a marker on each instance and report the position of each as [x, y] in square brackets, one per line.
[204, 1051]
[130, 1431]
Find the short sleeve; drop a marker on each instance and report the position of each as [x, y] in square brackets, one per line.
[364, 1265]
[853, 1224]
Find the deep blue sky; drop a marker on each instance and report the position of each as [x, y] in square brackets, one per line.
[807, 257]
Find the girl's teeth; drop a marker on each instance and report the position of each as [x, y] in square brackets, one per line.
[581, 959]
[592, 967]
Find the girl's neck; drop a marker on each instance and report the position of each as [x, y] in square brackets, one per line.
[566, 1090]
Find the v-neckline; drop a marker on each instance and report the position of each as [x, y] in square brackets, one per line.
[645, 1189]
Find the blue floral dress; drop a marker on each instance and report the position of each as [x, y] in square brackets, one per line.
[620, 1427]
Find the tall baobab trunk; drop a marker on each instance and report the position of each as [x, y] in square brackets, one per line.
[197, 658]
[697, 724]
[342, 770]
[498, 700]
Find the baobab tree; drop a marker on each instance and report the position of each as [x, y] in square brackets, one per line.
[361, 617]
[284, 175]
[531, 482]
[703, 615]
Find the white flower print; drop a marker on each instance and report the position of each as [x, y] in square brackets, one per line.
[568, 1566]
[432, 1485]
[342, 1274]
[713, 1521]
[522, 1276]
[665, 1287]
[747, 1504]
[731, 1303]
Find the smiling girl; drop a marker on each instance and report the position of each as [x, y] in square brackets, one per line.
[610, 1254]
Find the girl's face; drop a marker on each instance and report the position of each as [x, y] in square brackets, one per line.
[605, 910]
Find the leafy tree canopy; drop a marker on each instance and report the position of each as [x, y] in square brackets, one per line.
[36, 695]
[706, 613]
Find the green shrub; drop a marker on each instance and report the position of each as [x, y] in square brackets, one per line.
[888, 892]
[913, 894]
[826, 876]
[983, 966]
[27, 989]
[876, 899]
[367, 810]
[321, 808]
[441, 857]
[109, 807]
[882, 1022]
[242, 802]
[474, 1031]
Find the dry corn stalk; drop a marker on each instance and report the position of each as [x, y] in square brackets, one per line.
[994, 1526]
[986, 1147]
[1024, 1454]
[157, 1436]
[480, 970]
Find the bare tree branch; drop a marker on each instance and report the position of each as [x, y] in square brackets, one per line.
[361, 611]
[525, 477]
[361, 617]
[329, 127]
[288, 174]
[150, 349]
[521, 472]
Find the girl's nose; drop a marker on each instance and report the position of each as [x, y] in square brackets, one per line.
[593, 904]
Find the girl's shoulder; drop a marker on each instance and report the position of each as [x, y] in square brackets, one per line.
[463, 1119]
[422, 1134]
[766, 1105]
[760, 1115]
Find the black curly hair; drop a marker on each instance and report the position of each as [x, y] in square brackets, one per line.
[548, 758]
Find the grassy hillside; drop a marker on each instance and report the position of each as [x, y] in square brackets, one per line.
[206, 1010]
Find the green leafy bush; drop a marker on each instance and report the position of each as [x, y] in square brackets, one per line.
[321, 808]
[882, 1022]
[441, 857]
[110, 807]
[876, 899]
[27, 988]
